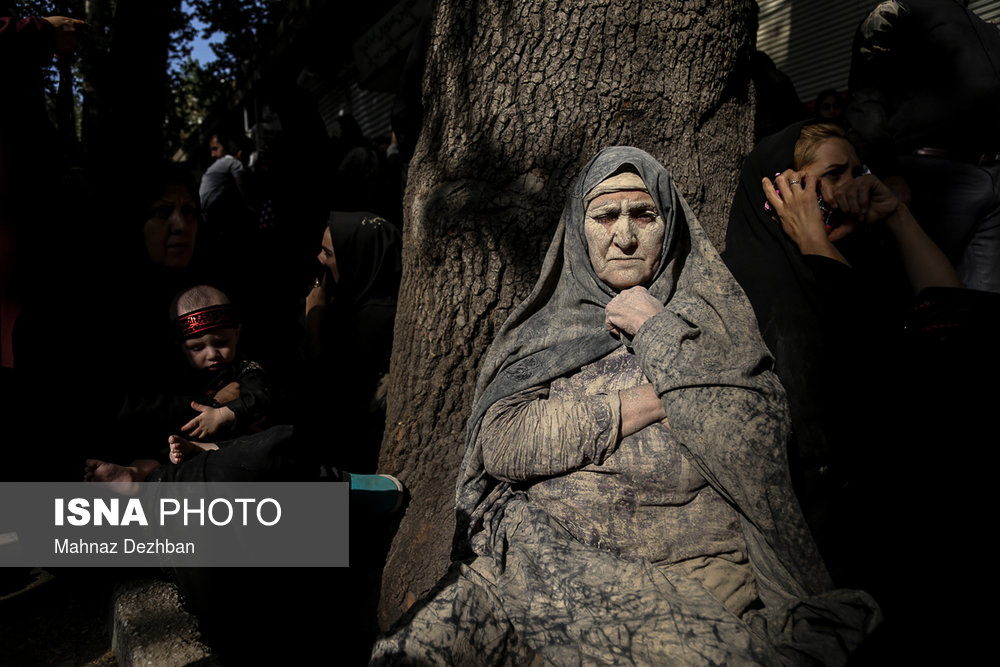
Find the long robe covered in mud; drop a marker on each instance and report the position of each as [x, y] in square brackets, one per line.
[679, 544]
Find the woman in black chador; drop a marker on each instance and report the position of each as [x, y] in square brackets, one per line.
[348, 336]
[882, 353]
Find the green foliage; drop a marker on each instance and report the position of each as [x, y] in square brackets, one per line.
[204, 92]
[247, 27]
[198, 92]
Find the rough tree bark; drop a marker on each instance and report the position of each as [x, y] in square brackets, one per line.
[517, 97]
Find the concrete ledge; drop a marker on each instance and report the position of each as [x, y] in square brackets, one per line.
[150, 627]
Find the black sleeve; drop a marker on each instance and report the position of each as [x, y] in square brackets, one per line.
[255, 398]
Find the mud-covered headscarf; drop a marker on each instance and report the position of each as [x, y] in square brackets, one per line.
[713, 371]
[560, 326]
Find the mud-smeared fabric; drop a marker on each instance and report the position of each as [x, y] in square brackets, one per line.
[643, 500]
[571, 591]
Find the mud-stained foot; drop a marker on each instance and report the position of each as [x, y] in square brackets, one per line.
[102, 471]
[125, 478]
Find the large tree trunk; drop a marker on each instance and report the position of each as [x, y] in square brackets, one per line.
[517, 97]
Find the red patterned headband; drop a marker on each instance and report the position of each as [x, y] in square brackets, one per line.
[205, 319]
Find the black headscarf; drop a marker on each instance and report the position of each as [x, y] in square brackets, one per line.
[367, 248]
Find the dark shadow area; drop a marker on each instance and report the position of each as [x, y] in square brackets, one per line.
[295, 615]
[56, 617]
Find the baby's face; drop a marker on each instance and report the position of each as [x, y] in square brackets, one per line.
[212, 350]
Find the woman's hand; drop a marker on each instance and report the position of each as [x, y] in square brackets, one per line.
[67, 31]
[797, 208]
[640, 408]
[629, 310]
[317, 297]
[863, 199]
[316, 302]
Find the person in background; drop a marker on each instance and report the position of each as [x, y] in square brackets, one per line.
[879, 348]
[32, 160]
[924, 98]
[829, 106]
[349, 318]
[226, 173]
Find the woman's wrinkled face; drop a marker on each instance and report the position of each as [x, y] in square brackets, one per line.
[624, 234]
[171, 228]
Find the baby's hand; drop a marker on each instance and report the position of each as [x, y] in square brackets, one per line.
[209, 422]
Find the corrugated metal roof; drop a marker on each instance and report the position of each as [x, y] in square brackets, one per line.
[371, 108]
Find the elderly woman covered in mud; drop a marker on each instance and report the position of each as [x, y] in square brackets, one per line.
[624, 496]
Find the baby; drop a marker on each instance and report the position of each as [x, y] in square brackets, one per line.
[234, 398]
[231, 396]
